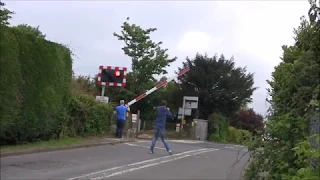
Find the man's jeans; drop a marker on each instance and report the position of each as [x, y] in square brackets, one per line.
[120, 126]
[158, 131]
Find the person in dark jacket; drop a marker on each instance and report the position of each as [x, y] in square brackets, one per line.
[162, 114]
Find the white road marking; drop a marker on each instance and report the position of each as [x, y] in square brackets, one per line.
[186, 141]
[150, 165]
[135, 145]
[138, 163]
[232, 147]
[143, 141]
[240, 146]
[131, 144]
[229, 147]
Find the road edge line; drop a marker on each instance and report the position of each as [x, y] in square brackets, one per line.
[53, 149]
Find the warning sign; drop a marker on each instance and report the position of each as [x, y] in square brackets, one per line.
[177, 127]
[103, 99]
[134, 117]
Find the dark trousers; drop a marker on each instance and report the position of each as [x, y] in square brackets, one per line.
[120, 126]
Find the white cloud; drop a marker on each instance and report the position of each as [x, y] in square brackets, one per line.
[260, 28]
[193, 41]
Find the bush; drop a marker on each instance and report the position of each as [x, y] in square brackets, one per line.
[246, 136]
[238, 136]
[235, 135]
[215, 138]
[217, 127]
[220, 131]
[247, 119]
[88, 117]
[286, 152]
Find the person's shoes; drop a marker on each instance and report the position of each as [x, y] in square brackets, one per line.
[170, 152]
[151, 152]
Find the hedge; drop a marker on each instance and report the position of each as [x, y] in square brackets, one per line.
[35, 86]
[35, 92]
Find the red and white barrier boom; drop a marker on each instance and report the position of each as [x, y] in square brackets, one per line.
[161, 84]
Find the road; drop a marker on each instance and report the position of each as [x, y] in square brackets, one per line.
[191, 160]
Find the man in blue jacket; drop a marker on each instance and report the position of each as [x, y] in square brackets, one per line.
[121, 112]
[162, 114]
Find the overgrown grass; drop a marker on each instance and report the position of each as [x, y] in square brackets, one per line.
[43, 144]
[176, 135]
[170, 134]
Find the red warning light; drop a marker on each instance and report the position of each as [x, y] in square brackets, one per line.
[117, 73]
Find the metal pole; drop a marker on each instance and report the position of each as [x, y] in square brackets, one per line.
[103, 89]
[139, 121]
[182, 115]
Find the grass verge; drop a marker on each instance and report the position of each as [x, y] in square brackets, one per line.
[63, 142]
[170, 134]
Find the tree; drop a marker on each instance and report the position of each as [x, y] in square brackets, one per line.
[172, 93]
[148, 58]
[314, 12]
[163, 79]
[247, 119]
[5, 14]
[84, 85]
[220, 85]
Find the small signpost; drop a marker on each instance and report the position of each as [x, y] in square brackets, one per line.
[103, 99]
[187, 112]
[189, 103]
[134, 118]
[177, 127]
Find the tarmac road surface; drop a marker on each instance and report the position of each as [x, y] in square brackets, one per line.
[191, 160]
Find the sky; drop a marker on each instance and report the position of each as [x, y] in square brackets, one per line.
[251, 31]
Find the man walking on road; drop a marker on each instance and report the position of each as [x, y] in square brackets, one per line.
[121, 111]
[162, 113]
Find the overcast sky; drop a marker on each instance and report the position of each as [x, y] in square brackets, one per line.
[252, 31]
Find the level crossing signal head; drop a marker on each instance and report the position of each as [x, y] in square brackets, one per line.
[112, 76]
[117, 73]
